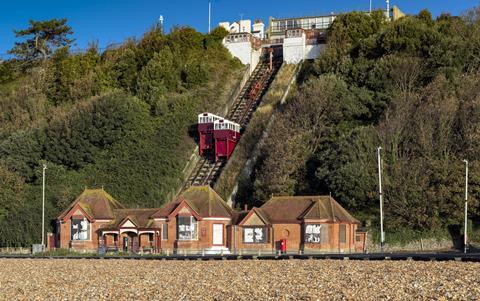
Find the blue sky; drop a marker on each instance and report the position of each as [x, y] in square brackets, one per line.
[110, 21]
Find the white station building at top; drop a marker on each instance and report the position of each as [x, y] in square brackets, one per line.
[300, 38]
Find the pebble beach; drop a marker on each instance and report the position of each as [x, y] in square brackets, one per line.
[120, 279]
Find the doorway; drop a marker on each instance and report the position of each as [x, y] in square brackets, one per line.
[217, 235]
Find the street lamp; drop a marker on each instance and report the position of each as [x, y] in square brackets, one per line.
[209, 14]
[382, 234]
[388, 10]
[466, 208]
[43, 207]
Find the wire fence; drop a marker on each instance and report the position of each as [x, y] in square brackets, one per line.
[8, 250]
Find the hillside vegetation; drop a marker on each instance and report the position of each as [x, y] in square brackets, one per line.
[411, 86]
[117, 119]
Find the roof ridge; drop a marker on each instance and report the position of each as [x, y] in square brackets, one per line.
[334, 218]
[137, 209]
[317, 202]
[307, 210]
[222, 201]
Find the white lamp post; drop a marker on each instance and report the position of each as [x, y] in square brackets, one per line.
[43, 207]
[382, 234]
[209, 14]
[388, 10]
[466, 208]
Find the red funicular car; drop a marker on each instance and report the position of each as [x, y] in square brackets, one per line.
[226, 134]
[205, 132]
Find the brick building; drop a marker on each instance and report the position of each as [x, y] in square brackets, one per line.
[199, 220]
[306, 223]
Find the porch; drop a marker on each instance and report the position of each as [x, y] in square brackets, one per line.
[130, 241]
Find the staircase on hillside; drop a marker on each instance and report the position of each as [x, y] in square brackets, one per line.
[207, 171]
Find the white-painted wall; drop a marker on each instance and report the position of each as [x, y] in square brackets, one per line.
[259, 30]
[234, 28]
[294, 49]
[313, 51]
[245, 26]
[255, 58]
[240, 46]
[241, 50]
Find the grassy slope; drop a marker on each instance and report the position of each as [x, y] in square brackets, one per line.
[254, 131]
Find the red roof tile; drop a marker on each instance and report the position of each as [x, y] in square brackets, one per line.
[203, 199]
[294, 209]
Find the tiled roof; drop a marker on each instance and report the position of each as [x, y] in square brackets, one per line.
[140, 217]
[202, 199]
[294, 209]
[258, 211]
[238, 216]
[166, 209]
[262, 215]
[96, 202]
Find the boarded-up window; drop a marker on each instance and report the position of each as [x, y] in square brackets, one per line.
[164, 231]
[255, 235]
[312, 233]
[186, 228]
[324, 233]
[80, 229]
[343, 233]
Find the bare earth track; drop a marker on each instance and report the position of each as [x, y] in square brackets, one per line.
[94, 279]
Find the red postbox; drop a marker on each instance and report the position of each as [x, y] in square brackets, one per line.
[283, 245]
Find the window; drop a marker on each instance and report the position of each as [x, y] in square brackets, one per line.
[164, 231]
[289, 24]
[316, 233]
[255, 235]
[312, 233]
[358, 238]
[324, 233]
[343, 234]
[80, 229]
[186, 228]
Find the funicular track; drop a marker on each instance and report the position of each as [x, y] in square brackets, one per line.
[207, 171]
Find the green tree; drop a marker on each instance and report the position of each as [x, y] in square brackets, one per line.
[41, 39]
[75, 139]
[159, 76]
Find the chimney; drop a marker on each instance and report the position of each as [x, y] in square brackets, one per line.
[245, 207]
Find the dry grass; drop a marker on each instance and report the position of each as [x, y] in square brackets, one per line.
[43, 279]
